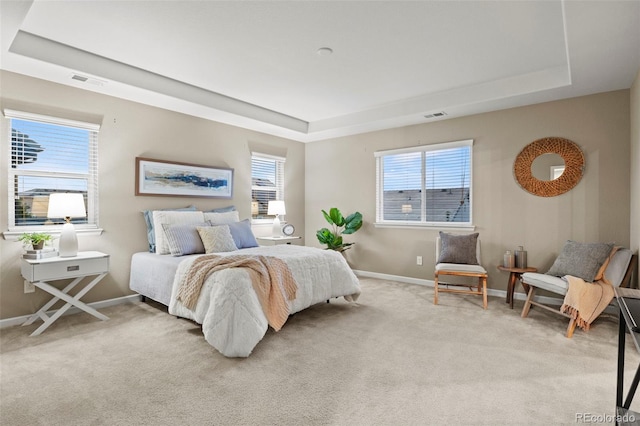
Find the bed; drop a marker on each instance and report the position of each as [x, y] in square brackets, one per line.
[228, 308]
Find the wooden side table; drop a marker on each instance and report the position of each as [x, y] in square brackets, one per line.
[515, 274]
[38, 272]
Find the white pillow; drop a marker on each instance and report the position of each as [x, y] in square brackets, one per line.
[216, 239]
[222, 218]
[161, 217]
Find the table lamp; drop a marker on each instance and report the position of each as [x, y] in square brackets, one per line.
[277, 208]
[67, 205]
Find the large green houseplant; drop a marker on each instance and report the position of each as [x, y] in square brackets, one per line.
[340, 225]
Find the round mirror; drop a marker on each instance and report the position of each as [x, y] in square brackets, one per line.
[542, 174]
[547, 166]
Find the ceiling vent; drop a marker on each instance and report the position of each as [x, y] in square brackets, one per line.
[436, 115]
[88, 80]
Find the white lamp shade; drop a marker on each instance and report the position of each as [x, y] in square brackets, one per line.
[276, 208]
[64, 204]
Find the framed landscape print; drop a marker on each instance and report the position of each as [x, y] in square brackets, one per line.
[169, 178]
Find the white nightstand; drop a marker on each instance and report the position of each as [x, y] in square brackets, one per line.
[274, 241]
[39, 271]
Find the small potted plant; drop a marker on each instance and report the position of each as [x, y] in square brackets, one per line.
[35, 239]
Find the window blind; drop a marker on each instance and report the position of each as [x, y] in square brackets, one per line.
[50, 155]
[267, 183]
[429, 184]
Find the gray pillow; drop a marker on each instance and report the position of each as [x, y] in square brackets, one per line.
[458, 248]
[582, 260]
[242, 234]
[184, 239]
[222, 209]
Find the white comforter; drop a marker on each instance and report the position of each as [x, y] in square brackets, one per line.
[229, 310]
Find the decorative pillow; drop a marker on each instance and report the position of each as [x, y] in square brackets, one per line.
[222, 209]
[172, 218]
[242, 234]
[222, 218]
[580, 260]
[216, 239]
[458, 248]
[148, 220]
[184, 239]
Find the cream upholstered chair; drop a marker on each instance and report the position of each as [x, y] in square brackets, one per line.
[618, 272]
[459, 256]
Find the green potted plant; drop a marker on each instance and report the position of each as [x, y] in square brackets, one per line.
[36, 239]
[340, 225]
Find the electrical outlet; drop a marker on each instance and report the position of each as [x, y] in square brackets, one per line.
[419, 260]
[29, 287]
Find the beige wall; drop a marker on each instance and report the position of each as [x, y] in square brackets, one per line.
[129, 130]
[341, 173]
[635, 163]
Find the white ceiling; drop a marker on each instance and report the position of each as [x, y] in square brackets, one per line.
[254, 64]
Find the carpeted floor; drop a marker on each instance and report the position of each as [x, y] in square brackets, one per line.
[392, 358]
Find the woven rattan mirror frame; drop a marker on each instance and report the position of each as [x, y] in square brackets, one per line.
[573, 166]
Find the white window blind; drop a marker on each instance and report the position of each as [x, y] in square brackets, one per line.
[50, 155]
[425, 185]
[267, 183]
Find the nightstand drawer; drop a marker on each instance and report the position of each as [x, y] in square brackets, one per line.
[75, 267]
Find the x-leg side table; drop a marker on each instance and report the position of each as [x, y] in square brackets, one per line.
[79, 267]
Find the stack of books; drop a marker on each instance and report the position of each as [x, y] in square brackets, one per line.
[40, 254]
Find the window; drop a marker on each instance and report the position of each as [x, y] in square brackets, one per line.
[267, 183]
[50, 155]
[425, 185]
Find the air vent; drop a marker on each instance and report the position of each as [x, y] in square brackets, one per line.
[88, 80]
[436, 114]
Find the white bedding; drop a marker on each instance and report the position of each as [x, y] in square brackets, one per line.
[229, 310]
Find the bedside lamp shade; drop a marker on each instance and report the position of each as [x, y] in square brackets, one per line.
[67, 205]
[276, 208]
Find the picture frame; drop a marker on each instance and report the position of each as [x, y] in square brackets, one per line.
[174, 179]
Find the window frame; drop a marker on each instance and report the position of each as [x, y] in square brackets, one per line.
[278, 187]
[92, 225]
[382, 223]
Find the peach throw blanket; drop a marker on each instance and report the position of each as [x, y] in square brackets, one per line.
[584, 301]
[271, 278]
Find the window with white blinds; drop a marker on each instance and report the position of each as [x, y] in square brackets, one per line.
[50, 155]
[425, 185]
[267, 183]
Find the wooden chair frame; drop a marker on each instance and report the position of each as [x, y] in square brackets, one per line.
[480, 289]
[626, 281]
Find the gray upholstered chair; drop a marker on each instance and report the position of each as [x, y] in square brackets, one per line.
[618, 272]
[470, 269]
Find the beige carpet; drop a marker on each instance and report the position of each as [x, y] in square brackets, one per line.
[392, 358]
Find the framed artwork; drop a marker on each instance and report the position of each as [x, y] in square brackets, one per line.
[169, 178]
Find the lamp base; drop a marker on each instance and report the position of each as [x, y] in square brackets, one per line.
[68, 244]
[277, 229]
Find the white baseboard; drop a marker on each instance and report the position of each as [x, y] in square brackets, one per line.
[429, 283]
[9, 322]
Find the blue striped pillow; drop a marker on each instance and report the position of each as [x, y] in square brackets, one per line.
[184, 239]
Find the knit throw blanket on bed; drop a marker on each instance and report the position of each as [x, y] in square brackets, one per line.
[271, 278]
[585, 301]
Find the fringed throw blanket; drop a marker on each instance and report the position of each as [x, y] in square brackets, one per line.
[271, 279]
[584, 301]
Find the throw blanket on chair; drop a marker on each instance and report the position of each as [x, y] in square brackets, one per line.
[271, 279]
[585, 301]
